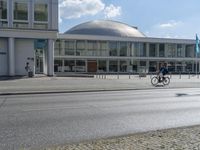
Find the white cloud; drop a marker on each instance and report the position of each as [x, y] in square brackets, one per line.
[112, 11]
[69, 9]
[170, 24]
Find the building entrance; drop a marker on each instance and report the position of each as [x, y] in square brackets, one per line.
[40, 48]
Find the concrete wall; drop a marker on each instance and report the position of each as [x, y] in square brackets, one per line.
[3, 56]
[24, 49]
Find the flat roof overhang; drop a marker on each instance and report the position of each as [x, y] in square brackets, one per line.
[29, 33]
[126, 39]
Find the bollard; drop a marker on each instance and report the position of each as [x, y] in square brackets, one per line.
[198, 76]
[189, 76]
[118, 76]
[104, 76]
[180, 75]
[129, 75]
[170, 75]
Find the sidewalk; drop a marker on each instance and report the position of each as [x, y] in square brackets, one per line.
[186, 138]
[98, 83]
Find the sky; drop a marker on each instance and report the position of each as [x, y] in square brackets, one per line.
[155, 18]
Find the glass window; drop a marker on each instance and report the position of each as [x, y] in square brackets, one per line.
[20, 10]
[142, 50]
[135, 49]
[161, 50]
[69, 48]
[41, 10]
[123, 66]
[57, 65]
[152, 50]
[40, 26]
[92, 48]
[171, 50]
[123, 49]
[3, 24]
[112, 48]
[20, 25]
[152, 66]
[179, 50]
[189, 50]
[103, 48]
[58, 48]
[113, 66]
[80, 48]
[3, 9]
[102, 65]
[69, 66]
[80, 66]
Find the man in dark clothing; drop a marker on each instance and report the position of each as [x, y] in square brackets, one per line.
[163, 71]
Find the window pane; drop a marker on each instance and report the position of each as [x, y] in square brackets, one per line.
[3, 9]
[92, 48]
[40, 26]
[3, 24]
[123, 49]
[21, 10]
[152, 50]
[69, 48]
[80, 48]
[20, 25]
[161, 50]
[113, 48]
[113, 66]
[40, 12]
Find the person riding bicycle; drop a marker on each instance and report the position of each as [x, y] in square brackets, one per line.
[163, 71]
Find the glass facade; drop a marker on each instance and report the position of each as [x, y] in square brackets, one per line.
[110, 56]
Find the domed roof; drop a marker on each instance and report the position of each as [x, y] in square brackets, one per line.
[106, 28]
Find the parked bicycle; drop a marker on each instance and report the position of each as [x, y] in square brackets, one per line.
[157, 79]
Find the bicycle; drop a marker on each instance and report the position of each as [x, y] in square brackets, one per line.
[157, 79]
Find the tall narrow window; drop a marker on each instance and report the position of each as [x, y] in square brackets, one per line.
[20, 10]
[20, 14]
[3, 13]
[41, 14]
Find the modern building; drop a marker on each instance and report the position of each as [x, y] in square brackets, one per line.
[110, 46]
[29, 31]
[27, 27]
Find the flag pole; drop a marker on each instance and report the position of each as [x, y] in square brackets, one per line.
[197, 51]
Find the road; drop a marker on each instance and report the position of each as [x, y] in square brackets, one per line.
[36, 121]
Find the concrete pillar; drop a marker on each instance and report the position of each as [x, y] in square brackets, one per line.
[11, 56]
[50, 58]
[107, 65]
[147, 66]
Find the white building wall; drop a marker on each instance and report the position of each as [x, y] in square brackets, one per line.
[24, 52]
[3, 56]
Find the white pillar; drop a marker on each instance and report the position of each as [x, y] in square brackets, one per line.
[11, 57]
[50, 58]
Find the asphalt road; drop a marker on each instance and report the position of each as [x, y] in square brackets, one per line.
[36, 121]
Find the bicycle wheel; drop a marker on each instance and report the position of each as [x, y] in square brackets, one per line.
[166, 81]
[154, 81]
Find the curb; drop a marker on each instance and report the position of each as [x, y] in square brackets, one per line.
[84, 91]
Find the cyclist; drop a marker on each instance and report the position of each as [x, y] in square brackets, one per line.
[163, 71]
